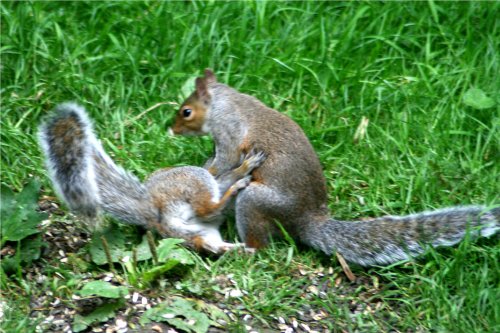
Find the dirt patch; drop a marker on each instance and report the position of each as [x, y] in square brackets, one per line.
[54, 308]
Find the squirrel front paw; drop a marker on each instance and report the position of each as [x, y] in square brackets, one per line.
[254, 159]
[242, 183]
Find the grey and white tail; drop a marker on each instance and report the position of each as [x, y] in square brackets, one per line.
[83, 174]
[390, 239]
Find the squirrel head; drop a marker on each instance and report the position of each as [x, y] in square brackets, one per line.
[191, 115]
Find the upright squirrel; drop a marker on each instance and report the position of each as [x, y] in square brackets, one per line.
[289, 186]
[183, 202]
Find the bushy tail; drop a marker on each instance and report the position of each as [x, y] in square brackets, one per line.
[392, 238]
[84, 175]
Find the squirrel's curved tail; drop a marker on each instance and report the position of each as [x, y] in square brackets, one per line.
[84, 175]
[393, 238]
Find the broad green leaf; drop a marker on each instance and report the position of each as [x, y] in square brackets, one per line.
[213, 312]
[165, 247]
[19, 216]
[478, 99]
[103, 289]
[20, 226]
[171, 256]
[182, 255]
[117, 246]
[7, 201]
[10, 264]
[100, 314]
[180, 313]
[28, 197]
[116, 243]
[143, 250]
[31, 249]
[152, 274]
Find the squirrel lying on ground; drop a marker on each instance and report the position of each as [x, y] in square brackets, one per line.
[184, 202]
[290, 187]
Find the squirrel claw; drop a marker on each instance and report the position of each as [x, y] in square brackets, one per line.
[242, 183]
[240, 247]
[255, 159]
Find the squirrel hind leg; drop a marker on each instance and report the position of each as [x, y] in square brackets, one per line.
[255, 226]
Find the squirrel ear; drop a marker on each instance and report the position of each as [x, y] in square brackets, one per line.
[210, 76]
[201, 89]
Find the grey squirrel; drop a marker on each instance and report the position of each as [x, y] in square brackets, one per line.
[290, 186]
[184, 202]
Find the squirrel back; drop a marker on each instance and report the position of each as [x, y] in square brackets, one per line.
[290, 186]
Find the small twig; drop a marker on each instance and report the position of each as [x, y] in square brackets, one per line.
[152, 246]
[346, 268]
[140, 115]
[108, 254]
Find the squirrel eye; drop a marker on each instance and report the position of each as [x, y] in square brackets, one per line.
[186, 113]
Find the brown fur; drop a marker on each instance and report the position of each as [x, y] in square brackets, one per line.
[255, 241]
[198, 243]
[197, 120]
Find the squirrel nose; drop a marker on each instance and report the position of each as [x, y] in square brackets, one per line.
[170, 131]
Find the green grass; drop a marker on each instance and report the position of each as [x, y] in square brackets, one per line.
[405, 67]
